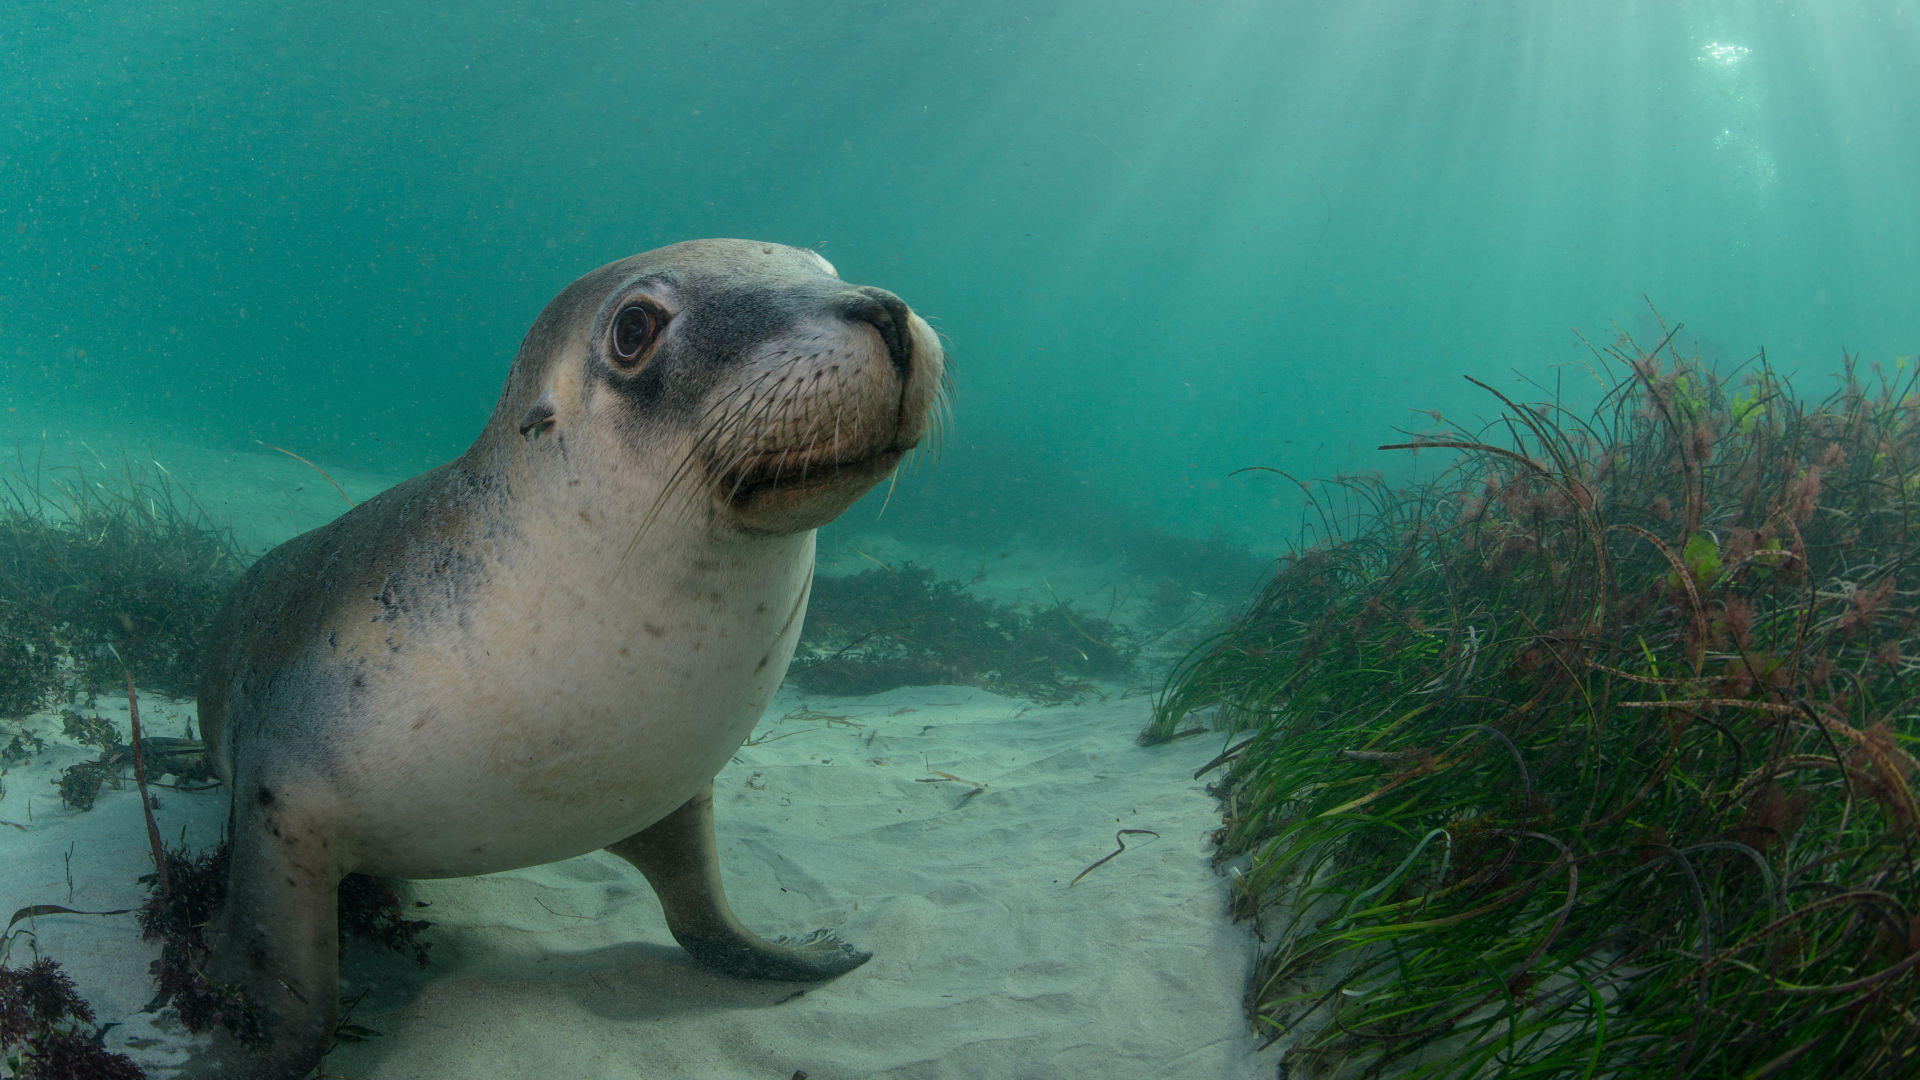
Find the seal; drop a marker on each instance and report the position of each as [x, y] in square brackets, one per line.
[551, 644]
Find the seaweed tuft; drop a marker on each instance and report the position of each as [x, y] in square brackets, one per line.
[177, 917]
[47, 1031]
[370, 909]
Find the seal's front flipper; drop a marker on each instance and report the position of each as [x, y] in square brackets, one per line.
[678, 856]
[277, 938]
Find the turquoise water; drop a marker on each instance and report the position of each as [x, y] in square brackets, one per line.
[1166, 240]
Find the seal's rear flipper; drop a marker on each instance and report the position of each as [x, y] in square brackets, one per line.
[679, 858]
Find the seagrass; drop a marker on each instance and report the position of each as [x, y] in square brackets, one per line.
[1593, 755]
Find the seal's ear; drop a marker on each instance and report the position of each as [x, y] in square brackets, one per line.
[539, 418]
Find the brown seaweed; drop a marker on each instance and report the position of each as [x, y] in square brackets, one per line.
[47, 1031]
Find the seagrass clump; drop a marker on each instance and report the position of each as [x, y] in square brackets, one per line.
[100, 576]
[889, 627]
[1594, 756]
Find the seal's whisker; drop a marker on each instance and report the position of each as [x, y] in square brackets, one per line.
[746, 451]
[717, 426]
[723, 431]
[785, 405]
[942, 412]
[801, 425]
[893, 480]
[939, 419]
[675, 479]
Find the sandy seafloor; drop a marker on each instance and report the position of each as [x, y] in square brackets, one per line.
[986, 963]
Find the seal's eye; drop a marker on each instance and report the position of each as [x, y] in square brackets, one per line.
[633, 331]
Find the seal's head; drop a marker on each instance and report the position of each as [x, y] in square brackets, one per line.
[759, 390]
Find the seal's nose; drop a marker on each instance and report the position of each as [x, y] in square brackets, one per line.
[886, 313]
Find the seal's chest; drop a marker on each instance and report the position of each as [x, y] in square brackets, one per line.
[554, 743]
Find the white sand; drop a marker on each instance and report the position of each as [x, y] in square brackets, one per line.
[986, 964]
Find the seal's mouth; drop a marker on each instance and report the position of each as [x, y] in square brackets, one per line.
[800, 474]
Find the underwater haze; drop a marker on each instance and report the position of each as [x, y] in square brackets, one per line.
[1166, 241]
[1095, 749]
